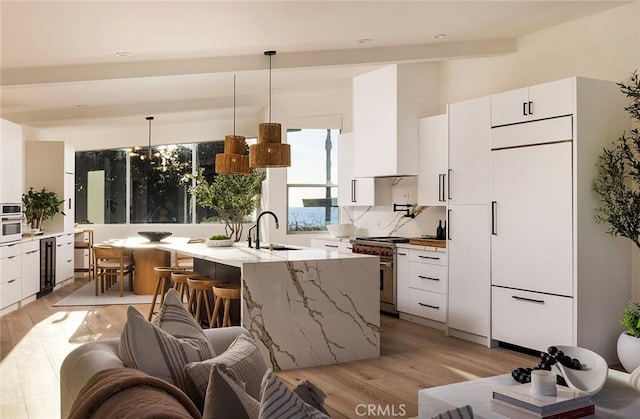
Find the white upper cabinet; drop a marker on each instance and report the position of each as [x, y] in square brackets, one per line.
[469, 151]
[541, 101]
[432, 177]
[11, 163]
[352, 191]
[387, 104]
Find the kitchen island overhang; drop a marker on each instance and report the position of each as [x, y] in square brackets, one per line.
[304, 307]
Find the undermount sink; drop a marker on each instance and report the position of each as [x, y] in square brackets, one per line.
[279, 247]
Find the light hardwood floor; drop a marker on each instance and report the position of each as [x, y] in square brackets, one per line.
[35, 339]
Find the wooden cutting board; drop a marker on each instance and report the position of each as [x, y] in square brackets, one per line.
[418, 241]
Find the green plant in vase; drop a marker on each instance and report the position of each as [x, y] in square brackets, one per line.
[40, 206]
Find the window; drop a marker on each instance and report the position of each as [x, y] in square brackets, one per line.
[101, 187]
[157, 194]
[312, 179]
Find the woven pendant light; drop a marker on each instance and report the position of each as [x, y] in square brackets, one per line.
[269, 151]
[233, 161]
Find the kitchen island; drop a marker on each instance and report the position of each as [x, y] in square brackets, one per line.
[303, 307]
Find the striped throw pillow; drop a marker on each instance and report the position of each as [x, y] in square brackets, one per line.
[242, 359]
[277, 401]
[163, 348]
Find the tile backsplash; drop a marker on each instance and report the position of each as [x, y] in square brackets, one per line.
[382, 221]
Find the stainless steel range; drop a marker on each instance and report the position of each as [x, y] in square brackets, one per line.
[385, 248]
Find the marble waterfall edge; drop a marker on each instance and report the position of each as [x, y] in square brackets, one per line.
[310, 313]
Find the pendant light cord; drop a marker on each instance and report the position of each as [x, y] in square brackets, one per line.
[234, 105]
[269, 88]
[149, 118]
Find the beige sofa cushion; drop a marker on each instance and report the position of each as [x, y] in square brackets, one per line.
[162, 349]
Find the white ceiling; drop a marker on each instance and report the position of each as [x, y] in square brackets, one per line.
[59, 66]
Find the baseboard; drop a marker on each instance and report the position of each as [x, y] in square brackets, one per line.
[471, 337]
[423, 321]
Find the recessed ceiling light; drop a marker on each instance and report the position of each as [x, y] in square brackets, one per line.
[364, 40]
[122, 54]
[81, 106]
[440, 35]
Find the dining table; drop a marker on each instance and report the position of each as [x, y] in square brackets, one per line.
[146, 256]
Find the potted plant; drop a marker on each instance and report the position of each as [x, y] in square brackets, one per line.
[629, 340]
[40, 206]
[233, 197]
[618, 188]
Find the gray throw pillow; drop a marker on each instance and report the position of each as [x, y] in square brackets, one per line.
[163, 348]
[226, 397]
[243, 358]
[277, 401]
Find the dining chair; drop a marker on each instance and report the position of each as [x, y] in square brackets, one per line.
[84, 241]
[110, 263]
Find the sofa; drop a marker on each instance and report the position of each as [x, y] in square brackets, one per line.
[88, 359]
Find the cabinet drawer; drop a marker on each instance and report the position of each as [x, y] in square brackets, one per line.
[10, 250]
[427, 256]
[428, 277]
[65, 238]
[531, 319]
[9, 292]
[11, 268]
[339, 246]
[30, 246]
[428, 304]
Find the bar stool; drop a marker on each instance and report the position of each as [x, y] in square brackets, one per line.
[183, 261]
[199, 287]
[224, 294]
[86, 244]
[163, 274]
[179, 279]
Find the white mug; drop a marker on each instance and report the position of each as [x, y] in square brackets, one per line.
[543, 383]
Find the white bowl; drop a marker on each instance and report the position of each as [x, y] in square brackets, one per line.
[591, 377]
[219, 243]
[341, 230]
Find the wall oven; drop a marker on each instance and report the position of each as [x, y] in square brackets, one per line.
[10, 222]
[385, 248]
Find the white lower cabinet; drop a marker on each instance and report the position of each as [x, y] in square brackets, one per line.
[10, 274]
[469, 252]
[64, 257]
[530, 319]
[30, 268]
[337, 245]
[422, 282]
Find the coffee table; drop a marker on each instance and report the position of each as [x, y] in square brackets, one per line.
[617, 399]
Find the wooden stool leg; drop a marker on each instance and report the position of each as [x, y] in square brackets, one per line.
[153, 301]
[163, 284]
[198, 304]
[207, 307]
[225, 320]
[216, 311]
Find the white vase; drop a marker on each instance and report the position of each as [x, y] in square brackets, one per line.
[629, 351]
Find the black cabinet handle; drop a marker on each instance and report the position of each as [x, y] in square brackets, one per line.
[12, 281]
[429, 305]
[353, 190]
[531, 300]
[69, 203]
[402, 254]
[428, 277]
[449, 184]
[449, 229]
[440, 194]
[330, 245]
[524, 108]
[530, 108]
[429, 257]
[494, 218]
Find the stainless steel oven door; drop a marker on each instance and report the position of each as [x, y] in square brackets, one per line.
[387, 288]
[10, 229]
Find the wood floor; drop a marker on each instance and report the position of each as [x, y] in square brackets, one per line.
[35, 339]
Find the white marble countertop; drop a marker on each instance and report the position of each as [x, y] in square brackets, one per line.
[240, 254]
